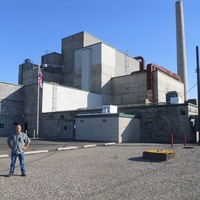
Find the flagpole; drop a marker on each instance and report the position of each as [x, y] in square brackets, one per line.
[38, 101]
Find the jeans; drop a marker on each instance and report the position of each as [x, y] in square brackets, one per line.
[13, 161]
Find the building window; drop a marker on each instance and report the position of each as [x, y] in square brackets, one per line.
[1, 125]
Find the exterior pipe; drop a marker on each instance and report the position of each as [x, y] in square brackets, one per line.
[142, 62]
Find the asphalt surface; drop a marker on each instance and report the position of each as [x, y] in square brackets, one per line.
[49, 144]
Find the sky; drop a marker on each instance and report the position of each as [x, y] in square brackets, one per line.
[147, 28]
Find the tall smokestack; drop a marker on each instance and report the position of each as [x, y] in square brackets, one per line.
[181, 50]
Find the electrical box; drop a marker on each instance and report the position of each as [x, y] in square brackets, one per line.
[109, 109]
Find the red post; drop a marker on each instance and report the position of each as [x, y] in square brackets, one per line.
[184, 139]
[172, 139]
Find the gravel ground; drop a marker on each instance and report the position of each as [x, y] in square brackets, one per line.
[104, 172]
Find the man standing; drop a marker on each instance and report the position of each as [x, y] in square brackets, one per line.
[18, 143]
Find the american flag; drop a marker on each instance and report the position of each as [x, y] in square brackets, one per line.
[40, 78]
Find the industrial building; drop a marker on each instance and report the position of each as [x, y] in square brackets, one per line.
[87, 75]
[93, 91]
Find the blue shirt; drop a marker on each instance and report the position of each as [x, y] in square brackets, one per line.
[17, 141]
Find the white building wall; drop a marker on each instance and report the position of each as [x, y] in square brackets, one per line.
[61, 98]
[108, 128]
[107, 72]
[97, 128]
[96, 64]
[132, 131]
[85, 61]
[86, 69]
[108, 60]
[90, 56]
[163, 84]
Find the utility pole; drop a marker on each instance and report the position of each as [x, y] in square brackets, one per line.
[198, 89]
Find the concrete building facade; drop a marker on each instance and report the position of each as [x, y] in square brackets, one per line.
[11, 107]
[87, 74]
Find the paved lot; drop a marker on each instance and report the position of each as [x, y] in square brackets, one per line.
[105, 172]
[47, 144]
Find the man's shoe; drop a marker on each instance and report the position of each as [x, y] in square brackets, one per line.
[23, 174]
[10, 174]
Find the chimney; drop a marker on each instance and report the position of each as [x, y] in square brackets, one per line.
[181, 50]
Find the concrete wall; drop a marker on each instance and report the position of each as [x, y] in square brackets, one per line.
[69, 45]
[27, 73]
[164, 83]
[94, 67]
[61, 98]
[52, 58]
[30, 108]
[132, 132]
[107, 127]
[107, 72]
[87, 72]
[97, 128]
[11, 107]
[50, 74]
[158, 122]
[132, 89]
[59, 124]
[52, 124]
[96, 64]
[124, 64]
[129, 89]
